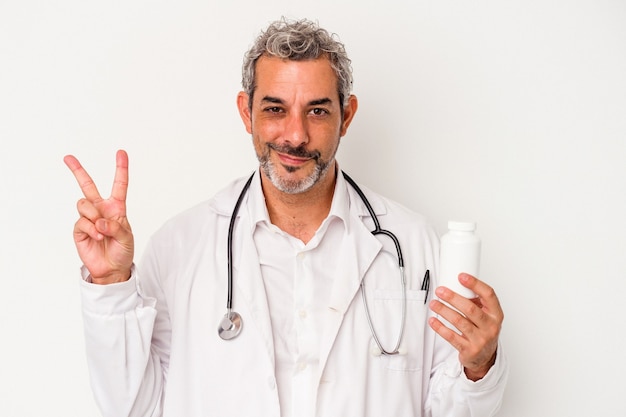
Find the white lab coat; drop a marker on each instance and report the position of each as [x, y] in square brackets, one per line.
[153, 347]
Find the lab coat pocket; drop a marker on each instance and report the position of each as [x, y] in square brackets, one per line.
[387, 318]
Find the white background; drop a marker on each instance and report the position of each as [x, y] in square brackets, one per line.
[509, 113]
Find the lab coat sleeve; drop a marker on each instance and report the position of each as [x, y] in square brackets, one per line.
[126, 371]
[452, 394]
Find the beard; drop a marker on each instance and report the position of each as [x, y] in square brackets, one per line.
[293, 186]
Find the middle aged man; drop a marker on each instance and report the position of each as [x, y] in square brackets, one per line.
[329, 327]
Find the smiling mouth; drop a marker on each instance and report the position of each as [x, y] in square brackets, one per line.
[290, 156]
[290, 160]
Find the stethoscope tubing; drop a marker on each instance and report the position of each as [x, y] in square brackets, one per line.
[231, 323]
[231, 227]
[377, 230]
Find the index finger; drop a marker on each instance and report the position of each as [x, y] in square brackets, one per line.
[120, 182]
[87, 186]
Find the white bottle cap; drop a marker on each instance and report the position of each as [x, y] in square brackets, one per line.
[462, 226]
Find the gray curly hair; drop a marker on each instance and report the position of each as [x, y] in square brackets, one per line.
[298, 41]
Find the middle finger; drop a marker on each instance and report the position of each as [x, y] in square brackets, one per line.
[456, 319]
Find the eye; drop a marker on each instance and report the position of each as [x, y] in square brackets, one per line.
[274, 109]
[319, 111]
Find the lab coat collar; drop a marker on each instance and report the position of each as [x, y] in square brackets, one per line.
[224, 201]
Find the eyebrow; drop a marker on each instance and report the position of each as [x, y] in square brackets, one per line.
[315, 102]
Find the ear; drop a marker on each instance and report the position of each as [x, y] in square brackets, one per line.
[244, 110]
[348, 113]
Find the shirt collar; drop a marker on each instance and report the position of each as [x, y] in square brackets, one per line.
[339, 208]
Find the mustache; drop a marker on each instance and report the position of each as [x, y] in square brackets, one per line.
[299, 151]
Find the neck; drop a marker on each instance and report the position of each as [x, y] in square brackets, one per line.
[300, 214]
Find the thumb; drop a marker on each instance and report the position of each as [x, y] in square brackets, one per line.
[113, 229]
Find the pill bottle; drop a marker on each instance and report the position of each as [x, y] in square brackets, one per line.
[459, 252]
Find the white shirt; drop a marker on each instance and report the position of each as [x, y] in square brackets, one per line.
[298, 280]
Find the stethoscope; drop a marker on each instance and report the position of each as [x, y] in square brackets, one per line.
[231, 324]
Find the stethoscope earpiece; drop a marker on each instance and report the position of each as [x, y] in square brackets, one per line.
[230, 326]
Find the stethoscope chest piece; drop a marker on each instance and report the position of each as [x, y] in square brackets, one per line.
[230, 326]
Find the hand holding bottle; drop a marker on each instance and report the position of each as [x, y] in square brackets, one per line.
[469, 312]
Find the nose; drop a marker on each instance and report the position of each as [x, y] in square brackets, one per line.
[296, 132]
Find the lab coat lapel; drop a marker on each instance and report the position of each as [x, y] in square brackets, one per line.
[357, 251]
[248, 283]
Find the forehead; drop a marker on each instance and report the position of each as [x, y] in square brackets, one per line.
[276, 76]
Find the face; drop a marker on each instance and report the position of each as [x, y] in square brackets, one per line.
[295, 121]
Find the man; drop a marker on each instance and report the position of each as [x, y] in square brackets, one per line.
[319, 293]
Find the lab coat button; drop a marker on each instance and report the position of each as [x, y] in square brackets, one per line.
[271, 382]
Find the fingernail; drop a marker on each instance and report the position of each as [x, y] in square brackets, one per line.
[101, 225]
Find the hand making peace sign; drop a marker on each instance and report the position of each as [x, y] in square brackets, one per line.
[102, 234]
